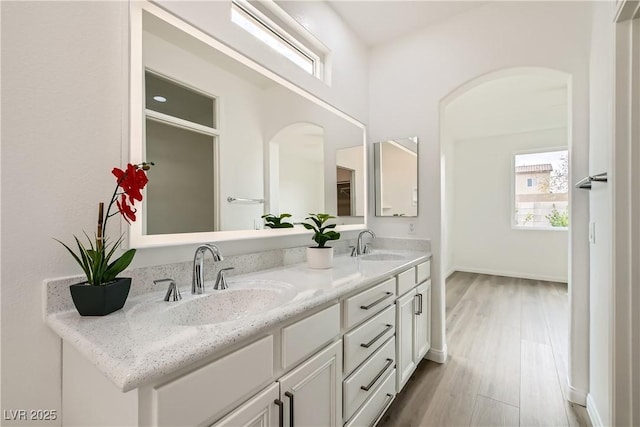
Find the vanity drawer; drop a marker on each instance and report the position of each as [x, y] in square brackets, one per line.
[198, 396]
[368, 337]
[423, 271]
[364, 381]
[302, 338]
[365, 304]
[406, 281]
[376, 406]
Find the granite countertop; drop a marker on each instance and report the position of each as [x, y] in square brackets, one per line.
[140, 344]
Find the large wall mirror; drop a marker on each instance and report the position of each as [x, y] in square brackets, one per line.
[231, 141]
[396, 177]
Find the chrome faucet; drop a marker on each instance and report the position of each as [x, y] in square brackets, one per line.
[360, 248]
[221, 280]
[173, 293]
[197, 281]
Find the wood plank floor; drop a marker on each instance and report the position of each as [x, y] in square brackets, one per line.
[507, 363]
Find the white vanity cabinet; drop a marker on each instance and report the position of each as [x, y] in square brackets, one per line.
[369, 352]
[413, 330]
[307, 396]
[312, 392]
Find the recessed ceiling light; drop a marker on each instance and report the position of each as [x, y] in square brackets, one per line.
[160, 98]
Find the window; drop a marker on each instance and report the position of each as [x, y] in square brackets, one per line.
[541, 190]
[181, 138]
[305, 51]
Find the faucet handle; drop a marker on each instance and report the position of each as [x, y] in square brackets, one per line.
[173, 293]
[221, 281]
[367, 249]
[354, 251]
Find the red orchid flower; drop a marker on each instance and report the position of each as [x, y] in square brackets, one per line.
[132, 181]
[128, 213]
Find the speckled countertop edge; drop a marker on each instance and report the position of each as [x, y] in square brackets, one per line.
[133, 354]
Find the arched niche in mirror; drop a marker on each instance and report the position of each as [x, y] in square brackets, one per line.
[396, 177]
[221, 190]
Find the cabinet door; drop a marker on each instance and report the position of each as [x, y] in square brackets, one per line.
[422, 319]
[259, 411]
[405, 313]
[312, 392]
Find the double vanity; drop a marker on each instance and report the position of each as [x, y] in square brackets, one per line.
[283, 346]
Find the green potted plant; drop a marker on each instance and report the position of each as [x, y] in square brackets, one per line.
[321, 256]
[272, 221]
[104, 292]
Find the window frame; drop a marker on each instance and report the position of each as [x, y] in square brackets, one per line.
[295, 36]
[512, 197]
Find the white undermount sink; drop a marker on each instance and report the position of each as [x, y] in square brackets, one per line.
[381, 256]
[243, 298]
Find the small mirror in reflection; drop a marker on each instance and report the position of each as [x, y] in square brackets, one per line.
[396, 177]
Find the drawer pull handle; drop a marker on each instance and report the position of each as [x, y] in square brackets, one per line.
[290, 396]
[373, 381]
[376, 302]
[280, 412]
[377, 337]
[387, 403]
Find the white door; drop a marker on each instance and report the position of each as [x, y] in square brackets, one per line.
[262, 410]
[312, 393]
[404, 337]
[422, 319]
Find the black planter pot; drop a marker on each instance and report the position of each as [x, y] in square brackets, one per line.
[100, 300]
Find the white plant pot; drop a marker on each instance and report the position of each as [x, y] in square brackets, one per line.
[319, 258]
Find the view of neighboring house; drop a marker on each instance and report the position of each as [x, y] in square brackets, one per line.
[541, 194]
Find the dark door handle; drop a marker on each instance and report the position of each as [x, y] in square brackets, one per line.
[373, 381]
[387, 402]
[290, 396]
[376, 302]
[280, 412]
[377, 337]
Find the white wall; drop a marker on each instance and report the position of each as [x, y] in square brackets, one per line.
[600, 205]
[483, 201]
[399, 173]
[405, 100]
[301, 178]
[64, 98]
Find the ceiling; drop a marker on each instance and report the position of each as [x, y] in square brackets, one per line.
[509, 105]
[377, 22]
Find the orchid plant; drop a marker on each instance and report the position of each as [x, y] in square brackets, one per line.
[95, 258]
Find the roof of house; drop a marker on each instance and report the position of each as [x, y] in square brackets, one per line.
[546, 167]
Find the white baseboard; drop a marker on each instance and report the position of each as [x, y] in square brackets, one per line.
[593, 412]
[576, 395]
[517, 274]
[438, 356]
[449, 273]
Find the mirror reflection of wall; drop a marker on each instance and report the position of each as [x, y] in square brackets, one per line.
[297, 152]
[396, 177]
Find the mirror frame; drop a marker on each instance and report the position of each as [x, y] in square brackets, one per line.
[136, 131]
